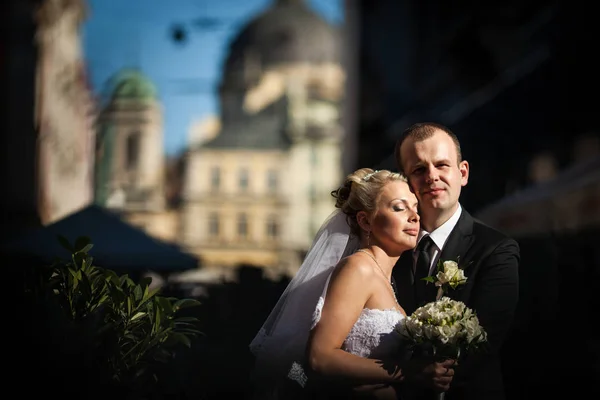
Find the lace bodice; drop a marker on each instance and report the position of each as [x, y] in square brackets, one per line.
[373, 334]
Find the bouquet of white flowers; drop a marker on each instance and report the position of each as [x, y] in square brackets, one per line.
[444, 328]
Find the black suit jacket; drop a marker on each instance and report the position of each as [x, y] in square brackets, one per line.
[490, 262]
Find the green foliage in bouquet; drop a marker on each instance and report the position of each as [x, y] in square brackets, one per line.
[121, 328]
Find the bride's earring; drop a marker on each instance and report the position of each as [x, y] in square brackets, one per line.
[368, 238]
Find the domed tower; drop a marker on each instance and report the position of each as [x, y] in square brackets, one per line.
[258, 190]
[130, 166]
[287, 38]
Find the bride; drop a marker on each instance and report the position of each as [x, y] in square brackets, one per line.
[332, 332]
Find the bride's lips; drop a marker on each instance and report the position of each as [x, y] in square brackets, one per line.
[412, 232]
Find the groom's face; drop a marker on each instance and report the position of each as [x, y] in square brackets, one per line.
[434, 173]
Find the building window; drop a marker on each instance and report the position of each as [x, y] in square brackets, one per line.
[242, 225]
[272, 180]
[272, 227]
[243, 179]
[132, 150]
[213, 224]
[215, 178]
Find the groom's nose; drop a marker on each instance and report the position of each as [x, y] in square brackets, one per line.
[431, 174]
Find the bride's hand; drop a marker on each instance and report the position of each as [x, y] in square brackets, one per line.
[432, 374]
[440, 374]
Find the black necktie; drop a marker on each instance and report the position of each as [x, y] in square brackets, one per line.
[422, 270]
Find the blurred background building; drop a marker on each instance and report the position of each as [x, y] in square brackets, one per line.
[64, 111]
[48, 114]
[255, 181]
[259, 190]
[131, 164]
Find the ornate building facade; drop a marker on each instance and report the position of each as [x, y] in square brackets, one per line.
[130, 171]
[258, 191]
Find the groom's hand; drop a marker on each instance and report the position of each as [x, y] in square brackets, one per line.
[431, 374]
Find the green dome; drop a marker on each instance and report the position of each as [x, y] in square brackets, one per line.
[132, 84]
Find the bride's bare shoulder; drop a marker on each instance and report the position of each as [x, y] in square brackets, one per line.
[354, 265]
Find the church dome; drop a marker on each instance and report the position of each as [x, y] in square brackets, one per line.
[131, 84]
[287, 32]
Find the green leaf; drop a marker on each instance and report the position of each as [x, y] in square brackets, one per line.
[162, 355]
[85, 249]
[165, 304]
[65, 243]
[151, 293]
[85, 264]
[73, 272]
[186, 319]
[138, 293]
[86, 287]
[157, 318]
[145, 281]
[189, 331]
[181, 338]
[78, 259]
[182, 324]
[112, 277]
[185, 303]
[81, 243]
[138, 316]
[103, 299]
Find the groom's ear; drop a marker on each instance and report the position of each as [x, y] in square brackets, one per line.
[463, 167]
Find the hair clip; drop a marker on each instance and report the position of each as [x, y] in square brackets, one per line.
[369, 175]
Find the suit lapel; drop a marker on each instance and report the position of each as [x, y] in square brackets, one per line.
[458, 244]
[459, 241]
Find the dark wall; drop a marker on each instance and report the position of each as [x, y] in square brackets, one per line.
[507, 77]
[18, 139]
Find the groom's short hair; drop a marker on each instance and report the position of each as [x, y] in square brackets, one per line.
[421, 131]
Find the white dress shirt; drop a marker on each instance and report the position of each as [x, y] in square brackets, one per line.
[439, 237]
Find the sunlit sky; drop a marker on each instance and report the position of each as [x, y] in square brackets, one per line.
[137, 33]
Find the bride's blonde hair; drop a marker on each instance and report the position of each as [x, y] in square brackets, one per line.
[360, 192]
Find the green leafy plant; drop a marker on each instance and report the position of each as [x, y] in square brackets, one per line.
[129, 328]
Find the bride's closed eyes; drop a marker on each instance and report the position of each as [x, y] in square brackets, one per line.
[402, 205]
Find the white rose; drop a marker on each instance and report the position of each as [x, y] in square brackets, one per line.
[457, 278]
[450, 266]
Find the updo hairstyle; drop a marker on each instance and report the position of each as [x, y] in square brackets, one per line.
[361, 191]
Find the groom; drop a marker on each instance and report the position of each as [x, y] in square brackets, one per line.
[430, 157]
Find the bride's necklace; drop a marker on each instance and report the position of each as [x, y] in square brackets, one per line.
[381, 270]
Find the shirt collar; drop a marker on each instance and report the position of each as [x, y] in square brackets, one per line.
[440, 235]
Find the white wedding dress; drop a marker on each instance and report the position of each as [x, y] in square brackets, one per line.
[372, 336]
